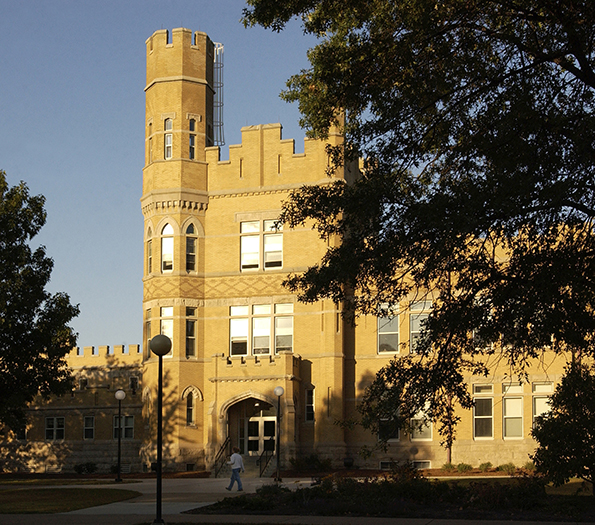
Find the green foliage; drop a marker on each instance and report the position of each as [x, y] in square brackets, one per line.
[566, 434]
[464, 467]
[484, 467]
[86, 468]
[449, 467]
[508, 468]
[476, 122]
[310, 463]
[529, 466]
[34, 331]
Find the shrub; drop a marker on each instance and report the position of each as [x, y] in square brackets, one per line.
[448, 467]
[529, 465]
[464, 467]
[508, 468]
[484, 467]
[310, 463]
[85, 468]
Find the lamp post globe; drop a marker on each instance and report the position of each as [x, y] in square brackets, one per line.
[160, 345]
[279, 391]
[120, 396]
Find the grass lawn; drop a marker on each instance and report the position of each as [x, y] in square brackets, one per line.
[50, 501]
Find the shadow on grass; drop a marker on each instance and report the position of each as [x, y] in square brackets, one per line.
[51, 501]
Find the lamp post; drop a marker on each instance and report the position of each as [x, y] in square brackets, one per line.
[278, 392]
[120, 396]
[160, 345]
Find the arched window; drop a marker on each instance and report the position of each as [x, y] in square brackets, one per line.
[190, 409]
[168, 138]
[191, 248]
[167, 248]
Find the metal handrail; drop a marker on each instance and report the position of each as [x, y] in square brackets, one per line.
[266, 456]
[220, 457]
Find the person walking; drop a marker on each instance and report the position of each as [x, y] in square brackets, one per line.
[237, 464]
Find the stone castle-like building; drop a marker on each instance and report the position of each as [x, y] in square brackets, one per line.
[214, 263]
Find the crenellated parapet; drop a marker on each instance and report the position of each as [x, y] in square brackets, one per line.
[265, 160]
[105, 355]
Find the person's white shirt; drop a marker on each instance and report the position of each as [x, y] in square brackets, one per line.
[236, 461]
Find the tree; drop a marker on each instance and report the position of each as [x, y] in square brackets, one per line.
[476, 124]
[34, 331]
[566, 434]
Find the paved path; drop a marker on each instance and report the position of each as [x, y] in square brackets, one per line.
[180, 495]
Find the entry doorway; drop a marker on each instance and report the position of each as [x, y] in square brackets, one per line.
[257, 426]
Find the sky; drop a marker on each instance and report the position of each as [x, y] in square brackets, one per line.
[72, 78]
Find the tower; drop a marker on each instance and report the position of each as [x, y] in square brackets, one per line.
[179, 126]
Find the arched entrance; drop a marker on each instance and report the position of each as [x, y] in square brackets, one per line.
[252, 426]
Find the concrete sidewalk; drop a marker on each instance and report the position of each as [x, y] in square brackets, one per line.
[180, 495]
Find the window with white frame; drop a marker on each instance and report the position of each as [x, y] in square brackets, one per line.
[192, 139]
[512, 410]
[167, 139]
[261, 245]
[127, 427]
[191, 248]
[388, 430]
[167, 249]
[261, 329]
[419, 312]
[166, 325]
[388, 329]
[54, 428]
[421, 427]
[483, 412]
[309, 415]
[89, 427]
[541, 398]
[190, 332]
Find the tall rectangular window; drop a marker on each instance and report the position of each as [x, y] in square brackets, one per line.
[149, 256]
[192, 146]
[541, 399]
[388, 330]
[148, 331]
[190, 254]
[421, 427]
[310, 404]
[167, 325]
[483, 412]
[167, 254]
[167, 139]
[273, 246]
[283, 328]
[89, 427]
[127, 427]
[238, 329]
[417, 320]
[512, 413]
[190, 332]
[54, 428]
[190, 410]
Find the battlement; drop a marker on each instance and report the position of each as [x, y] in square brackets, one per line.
[98, 355]
[182, 55]
[265, 159]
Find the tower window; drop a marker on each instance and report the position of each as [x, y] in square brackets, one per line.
[167, 248]
[166, 325]
[192, 147]
[190, 248]
[168, 138]
[190, 332]
[190, 409]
